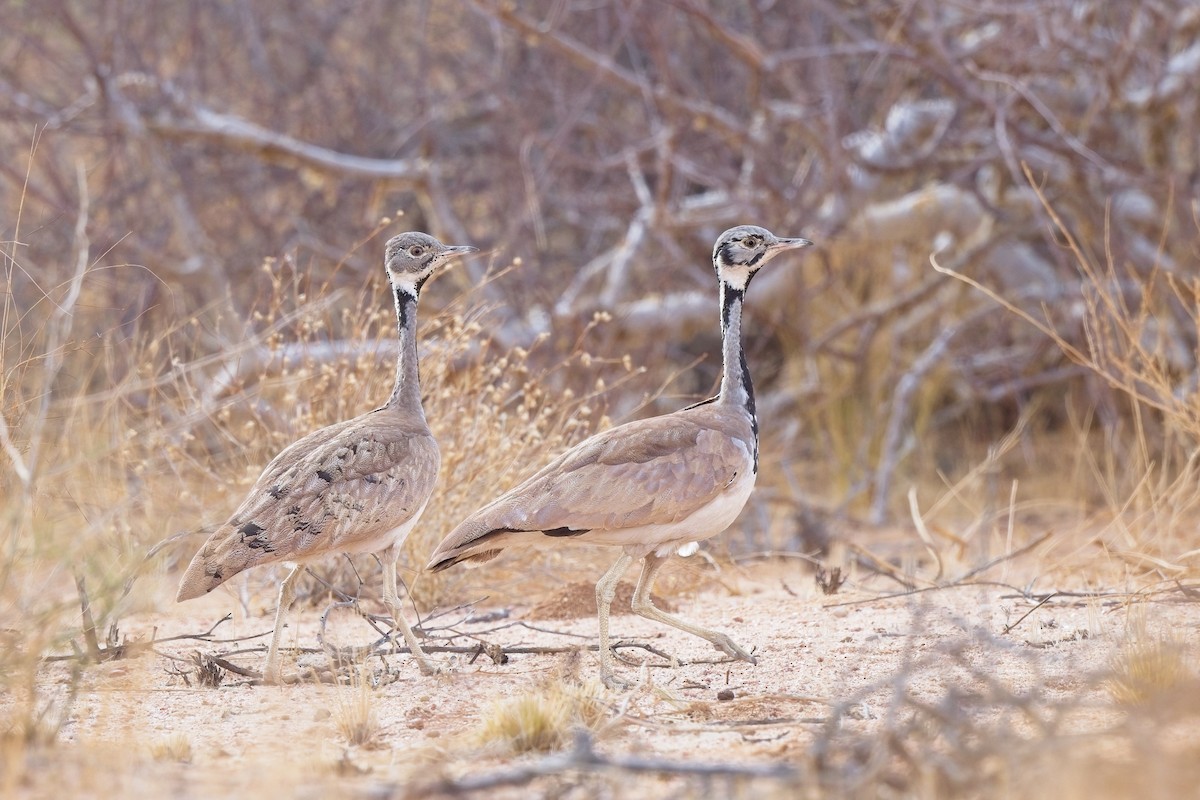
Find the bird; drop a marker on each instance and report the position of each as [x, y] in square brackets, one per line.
[357, 486]
[653, 486]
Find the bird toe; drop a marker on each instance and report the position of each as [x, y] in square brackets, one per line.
[429, 667]
[616, 682]
[732, 648]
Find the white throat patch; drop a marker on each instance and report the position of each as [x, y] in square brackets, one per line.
[406, 282]
[736, 276]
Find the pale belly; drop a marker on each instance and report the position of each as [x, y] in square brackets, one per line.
[703, 523]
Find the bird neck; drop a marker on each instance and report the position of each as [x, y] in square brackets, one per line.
[407, 392]
[736, 387]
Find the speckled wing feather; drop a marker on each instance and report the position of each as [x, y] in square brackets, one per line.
[650, 472]
[340, 489]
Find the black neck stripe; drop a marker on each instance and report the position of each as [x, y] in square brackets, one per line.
[404, 302]
[728, 296]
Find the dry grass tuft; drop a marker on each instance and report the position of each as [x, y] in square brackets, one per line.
[354, 713]
[543, 719]
[1147, 668]
[177, 748]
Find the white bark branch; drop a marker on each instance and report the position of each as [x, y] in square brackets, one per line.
[241, 134]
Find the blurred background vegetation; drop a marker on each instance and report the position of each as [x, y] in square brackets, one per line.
[993, 350]
[194, 197]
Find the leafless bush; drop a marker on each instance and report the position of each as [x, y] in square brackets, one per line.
[605, 145]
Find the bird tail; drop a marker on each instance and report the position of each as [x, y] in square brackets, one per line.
[474, 541]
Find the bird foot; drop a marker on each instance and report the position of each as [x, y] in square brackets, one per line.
[272, 674]
[615, 682]
[277, 678]
[732, 648]
[429, 667]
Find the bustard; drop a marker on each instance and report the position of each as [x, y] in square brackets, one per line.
[650, 486]
[357, 486]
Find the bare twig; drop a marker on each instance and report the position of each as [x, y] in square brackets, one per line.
[1020, 551]
[1042, 602]
[94, 652]
[922, 531]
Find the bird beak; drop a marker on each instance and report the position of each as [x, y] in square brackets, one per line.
[458, 250]
[781, 244]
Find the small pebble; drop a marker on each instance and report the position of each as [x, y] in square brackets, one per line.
[725, 694]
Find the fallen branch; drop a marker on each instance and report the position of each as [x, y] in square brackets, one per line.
[386, 646]
[582, 757]
[236, 133]
[113, 651]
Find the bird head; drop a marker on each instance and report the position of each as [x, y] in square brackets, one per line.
[742, 251]
[410, 258]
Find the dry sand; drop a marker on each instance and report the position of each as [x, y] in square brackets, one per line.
[820, 658]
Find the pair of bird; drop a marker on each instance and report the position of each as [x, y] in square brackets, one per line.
[648, 487]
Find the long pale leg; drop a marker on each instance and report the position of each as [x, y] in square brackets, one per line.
[606, 589]
[287, 596]
[391, 599]
[644, 608]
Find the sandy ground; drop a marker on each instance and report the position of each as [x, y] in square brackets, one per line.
[828, 666]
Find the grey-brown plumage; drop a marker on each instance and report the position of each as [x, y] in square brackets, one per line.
[357, 486]
[650, 486]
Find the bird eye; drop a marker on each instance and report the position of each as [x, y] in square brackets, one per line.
[751, 242]
[416, 250]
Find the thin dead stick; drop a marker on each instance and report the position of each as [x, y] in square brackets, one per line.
[1125, 597]
[94, 651]
[731, 726]
[964, 581]
[923, 532]
[882, 567]
[960, 585]
[1006, 557]
[1044, 600]
[768, 555]
[1010, 528]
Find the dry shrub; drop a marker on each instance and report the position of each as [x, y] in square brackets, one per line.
[1141, 324]
[106, 470]
[949, 724]
[543, 719]
[173, 446]
[354, 712]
